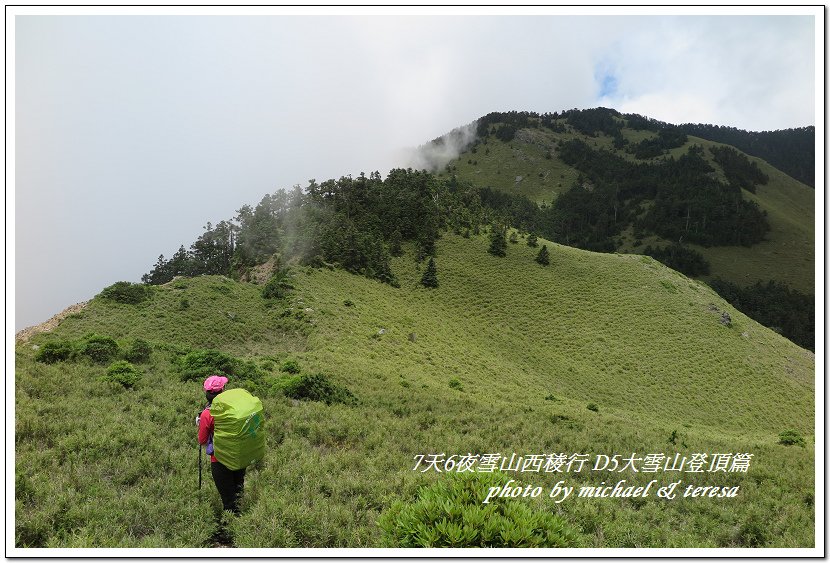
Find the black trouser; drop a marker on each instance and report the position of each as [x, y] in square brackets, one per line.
[229, 483]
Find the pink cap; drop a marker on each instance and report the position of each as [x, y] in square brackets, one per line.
[215, 383]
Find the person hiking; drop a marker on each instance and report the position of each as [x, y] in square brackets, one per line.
[228, 482]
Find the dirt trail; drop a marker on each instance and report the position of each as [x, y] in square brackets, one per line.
[25, 334]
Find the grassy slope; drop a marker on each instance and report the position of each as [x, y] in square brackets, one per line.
[787, 255]
[622, 331]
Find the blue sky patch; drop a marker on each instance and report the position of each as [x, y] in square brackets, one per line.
[607, 84]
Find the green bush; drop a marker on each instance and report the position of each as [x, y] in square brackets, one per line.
[126, 292]
[451, 513]
[123, 373]
[290, 366]
[278, 286]
[98, 348]
[593, 407]
[55, 351]
[200, 364]
[138, 352]
[791, 438]
[455, 383]
[317, 387]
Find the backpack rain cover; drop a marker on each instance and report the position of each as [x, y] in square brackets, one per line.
[238, 433]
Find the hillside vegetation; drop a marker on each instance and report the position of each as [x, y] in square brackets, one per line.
[595, 354]
[522, 154]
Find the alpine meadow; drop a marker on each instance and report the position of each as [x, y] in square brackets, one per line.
[437, 349]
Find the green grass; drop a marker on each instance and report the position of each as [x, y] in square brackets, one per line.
[530, 347]
[542, 179]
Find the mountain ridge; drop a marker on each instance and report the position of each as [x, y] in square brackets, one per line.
[316, 301]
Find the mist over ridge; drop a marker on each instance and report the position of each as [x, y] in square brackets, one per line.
[436, 154]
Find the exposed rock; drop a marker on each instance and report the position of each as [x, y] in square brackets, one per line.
[261, 273]
[25, 334]
[725, 319]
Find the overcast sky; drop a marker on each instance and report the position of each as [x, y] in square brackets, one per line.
[132, 132]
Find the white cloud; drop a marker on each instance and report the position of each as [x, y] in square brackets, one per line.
[165, 123]
[753, 73]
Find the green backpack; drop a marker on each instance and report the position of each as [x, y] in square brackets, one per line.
[238, 432]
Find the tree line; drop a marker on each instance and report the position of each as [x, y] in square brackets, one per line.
[357, 224]
[774, 305]
[790, 150]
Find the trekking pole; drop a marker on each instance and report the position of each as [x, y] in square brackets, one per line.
[200, 458]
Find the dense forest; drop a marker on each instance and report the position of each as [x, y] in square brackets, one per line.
[674, 198]
[790, 150]
[774, 305]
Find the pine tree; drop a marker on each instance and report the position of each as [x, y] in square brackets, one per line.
[430, 278]
[514, 238]
[498, 242]
[543, 257]
[395, 240]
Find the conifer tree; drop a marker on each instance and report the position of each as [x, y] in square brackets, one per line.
[498, 242]
[430, 278]
[514, 238]
[532, 241]
[395, 248]
[543, 257]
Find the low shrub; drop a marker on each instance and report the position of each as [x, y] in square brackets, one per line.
[290, 366]
[123, 373]
[126, 292]
[55, 351]
[278, 286]
[451, 513]
[317, 387]
[222, 289]
[98, 348]
[593, 407]
[138, 352]
[199, 364]
[791, 438]
[456, 384]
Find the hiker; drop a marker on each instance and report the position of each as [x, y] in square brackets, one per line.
[229, 483]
